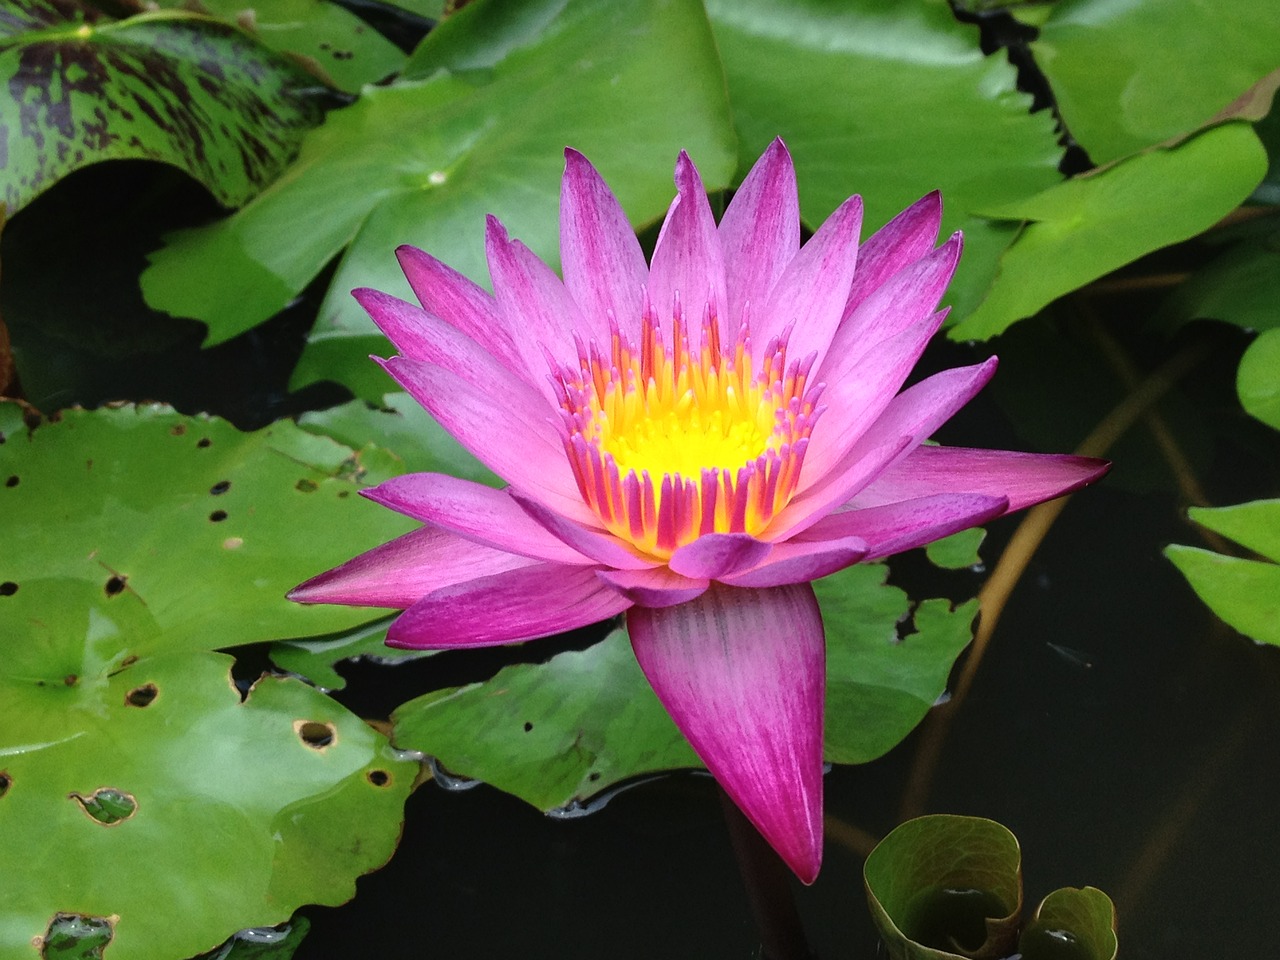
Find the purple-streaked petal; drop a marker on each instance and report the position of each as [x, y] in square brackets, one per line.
[599, 545]
[403, 571]
[811, 291]
[741, 672]
[447, 294]
[759, 232]
[522, 604]
[655, 587]
[715, 555]
[903, 240]
[474, 511]
[894, 527]
[799, 562]
[687, 260]
[603, 265]
[503, 435]
[1025, 478]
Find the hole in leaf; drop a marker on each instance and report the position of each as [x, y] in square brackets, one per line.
[379, 778]
[107, 805]
[114, 585]
[12, 481]
[593, 776]
[8, 588]
[6, 782]
[141, 696]
[316, 735]
[76, 935]
[306, 486]
[221, 487]
[218, 516]
[203, 442]
[527, 726]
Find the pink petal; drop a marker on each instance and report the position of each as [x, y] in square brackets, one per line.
[449, 295]
[604, 267]
[903, 240]
[501, 430]
[655, 587]
[894, 527]
[400, 573]
[599, 545]
[687, 261]
[799, 562]
[812, 290]
[521, 604]
[716, 555]
[1025, 478]
[474, 511]
[741, 672]
[759, 232]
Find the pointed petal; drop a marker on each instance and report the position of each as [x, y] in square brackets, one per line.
[760, 232]
[688, 261]
[716, 555]
[604, 267]
[741, 672]
[799, 562]
[600, 545]
[655, 587]
[522, 604]
[400, 573]
[894, 527]
[474, 511]
[902, 241]
[1025, 478]
[447, 294]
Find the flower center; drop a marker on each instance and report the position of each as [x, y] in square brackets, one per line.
[669, 442]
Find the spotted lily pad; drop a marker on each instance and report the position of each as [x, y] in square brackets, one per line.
[167, 86]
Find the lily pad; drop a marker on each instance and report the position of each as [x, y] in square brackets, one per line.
[559, 733]
[1240, 286]
[1258, 379]
[174, 87]
[1071, 924]
[479, 126]
[315, 658]
[958, 551]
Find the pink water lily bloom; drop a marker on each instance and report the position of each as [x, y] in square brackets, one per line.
[691, 441]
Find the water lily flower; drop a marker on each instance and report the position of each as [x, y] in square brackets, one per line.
[690, 441]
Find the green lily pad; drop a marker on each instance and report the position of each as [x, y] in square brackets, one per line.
[561, 732]
[944, 886]
[173, 87]
[241, 811]
[315, 658]
[1258, 379]
[479, 126]
[958, 551]
[1244, 593]
[1128, 75]
[205, 526]
[1240, 286]
[1071, 924]
[1090, 225]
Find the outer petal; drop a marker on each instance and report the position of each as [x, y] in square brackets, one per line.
[656, 587]
[521, 604]
[900, 242]
[479, 513]
[401, 572]
[799, 562]
[760, 231]
[604, 267]
[687, 259]
[716, 555]
[1025, 478]
[741, 672]
[448, 294]
[894, 527]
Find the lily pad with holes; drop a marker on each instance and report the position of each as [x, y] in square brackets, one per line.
[206, 526]
[128, 775]
[173, 87]
[560, 732]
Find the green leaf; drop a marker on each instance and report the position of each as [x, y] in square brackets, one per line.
[1240, 286]
[315, 659]
[943, 885]
[240, 812]
[958, 551]
[1090, 225]
[205, 526]
[560, 732]
[177, 88]
[263, 943]
[890, 100]
[1258, 379]
[1131, 75]
[1071, 924]
[484, 133]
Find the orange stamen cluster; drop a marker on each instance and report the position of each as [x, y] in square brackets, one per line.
[670, 441]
